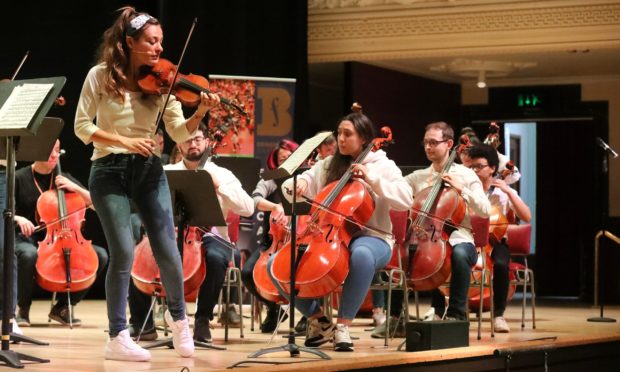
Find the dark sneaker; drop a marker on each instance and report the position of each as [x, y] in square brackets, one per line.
[231, 317]
[23, 317]
[271, 321]
[302, 325]
[319, 333]
[61, 315]
[149, 334]
[342, 339]
[202, 332]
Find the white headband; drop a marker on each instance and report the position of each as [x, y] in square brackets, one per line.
[137, 23]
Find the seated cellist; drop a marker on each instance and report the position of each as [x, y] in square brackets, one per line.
[30, 183]
[485, 162]
[369, 250]
[231, 197]
[438, 140]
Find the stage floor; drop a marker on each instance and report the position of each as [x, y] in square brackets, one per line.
[559, 322]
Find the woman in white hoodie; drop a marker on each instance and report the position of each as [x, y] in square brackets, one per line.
[369, 250]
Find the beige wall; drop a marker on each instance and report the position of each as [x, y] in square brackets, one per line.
[595, 89]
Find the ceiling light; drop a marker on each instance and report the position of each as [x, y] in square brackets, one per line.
[481, 80]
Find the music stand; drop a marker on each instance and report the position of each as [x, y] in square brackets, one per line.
[247, 170]
[195, 203]
[12, 130]
[291, 167]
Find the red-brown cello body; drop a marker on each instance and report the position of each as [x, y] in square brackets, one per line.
[435, 211]
[281, 235]
[145, 271]
[324, 264]
[66, 261]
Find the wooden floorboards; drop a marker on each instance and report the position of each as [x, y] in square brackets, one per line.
[559, 322]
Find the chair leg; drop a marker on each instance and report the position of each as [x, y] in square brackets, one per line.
[240, 297]
[523, 304]
[417, 306]
[227, 321]
[533, 293]
[49, 320]
[492, 304]
[481, 289]
[252, 303]
[388, 317]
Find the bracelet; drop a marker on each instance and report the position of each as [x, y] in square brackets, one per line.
[199, 116]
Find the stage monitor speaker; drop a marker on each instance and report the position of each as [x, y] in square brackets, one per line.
[437, 334]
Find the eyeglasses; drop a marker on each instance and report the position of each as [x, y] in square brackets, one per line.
[478, 167]
[197, 139]
[432, 143]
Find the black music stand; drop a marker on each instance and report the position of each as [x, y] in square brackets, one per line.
[195, 204]
[12, 131]
[289, 168]
[247, 170]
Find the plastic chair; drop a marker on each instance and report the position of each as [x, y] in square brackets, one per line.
[518, 241]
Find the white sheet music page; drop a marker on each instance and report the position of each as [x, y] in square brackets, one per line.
[24, 101]
[301, 154]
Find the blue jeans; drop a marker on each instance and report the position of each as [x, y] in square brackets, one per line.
[114, 179]
[464, 257]
[368, 254]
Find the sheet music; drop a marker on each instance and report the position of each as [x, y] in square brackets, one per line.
[301, 154]
[23, 103]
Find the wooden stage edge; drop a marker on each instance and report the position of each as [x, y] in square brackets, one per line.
[563, 340]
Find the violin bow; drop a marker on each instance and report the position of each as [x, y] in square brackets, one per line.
[60, 219]
[176, 73]
[435, 218]
[20, 65]
[217, 237]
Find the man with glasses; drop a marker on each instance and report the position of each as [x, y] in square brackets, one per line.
[232, 198]
[485, 162]
[438, 140]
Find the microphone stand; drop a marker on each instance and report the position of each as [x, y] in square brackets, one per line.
[608, 151]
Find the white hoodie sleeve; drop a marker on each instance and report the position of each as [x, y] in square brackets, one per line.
[387, 181]
[232, 193]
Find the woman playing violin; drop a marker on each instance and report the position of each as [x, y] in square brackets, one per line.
[485, 162]
[438, 140]
[30, 183]
[369, 250]
[126, 165]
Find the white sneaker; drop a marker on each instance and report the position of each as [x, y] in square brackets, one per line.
[430, 315]
[342, 339]
[319, 333]
[16, 328]
[181, 337]
[500, 325]
[378, 317]
[122, 347]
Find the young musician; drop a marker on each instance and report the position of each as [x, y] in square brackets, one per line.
[232, 198]
[126, 165]
[30, 183]
[370, 250]
[267, 199]
[484, 162]
[438, 141]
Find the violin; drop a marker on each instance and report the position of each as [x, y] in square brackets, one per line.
[145, 271]
[158, 80]
[66, 261]
[436, 212]
[340, 210]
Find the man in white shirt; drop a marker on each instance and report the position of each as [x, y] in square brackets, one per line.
[438, 141]
[232, 198]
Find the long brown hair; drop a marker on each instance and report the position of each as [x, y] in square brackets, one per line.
[114, 52]
[340, 163]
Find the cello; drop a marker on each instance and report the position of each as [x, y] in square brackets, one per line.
[436, 212]
[145, 271]
[338, 212]
[66, 261]
[281, 235]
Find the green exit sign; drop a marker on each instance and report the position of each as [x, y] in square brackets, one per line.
[528, 100]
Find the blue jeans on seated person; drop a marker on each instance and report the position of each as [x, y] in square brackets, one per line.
[464, 257]
[368, 254]
[114, 179]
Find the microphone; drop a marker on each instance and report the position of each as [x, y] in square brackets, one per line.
[606, 147]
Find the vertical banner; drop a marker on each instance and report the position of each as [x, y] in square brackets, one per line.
[270, 107]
